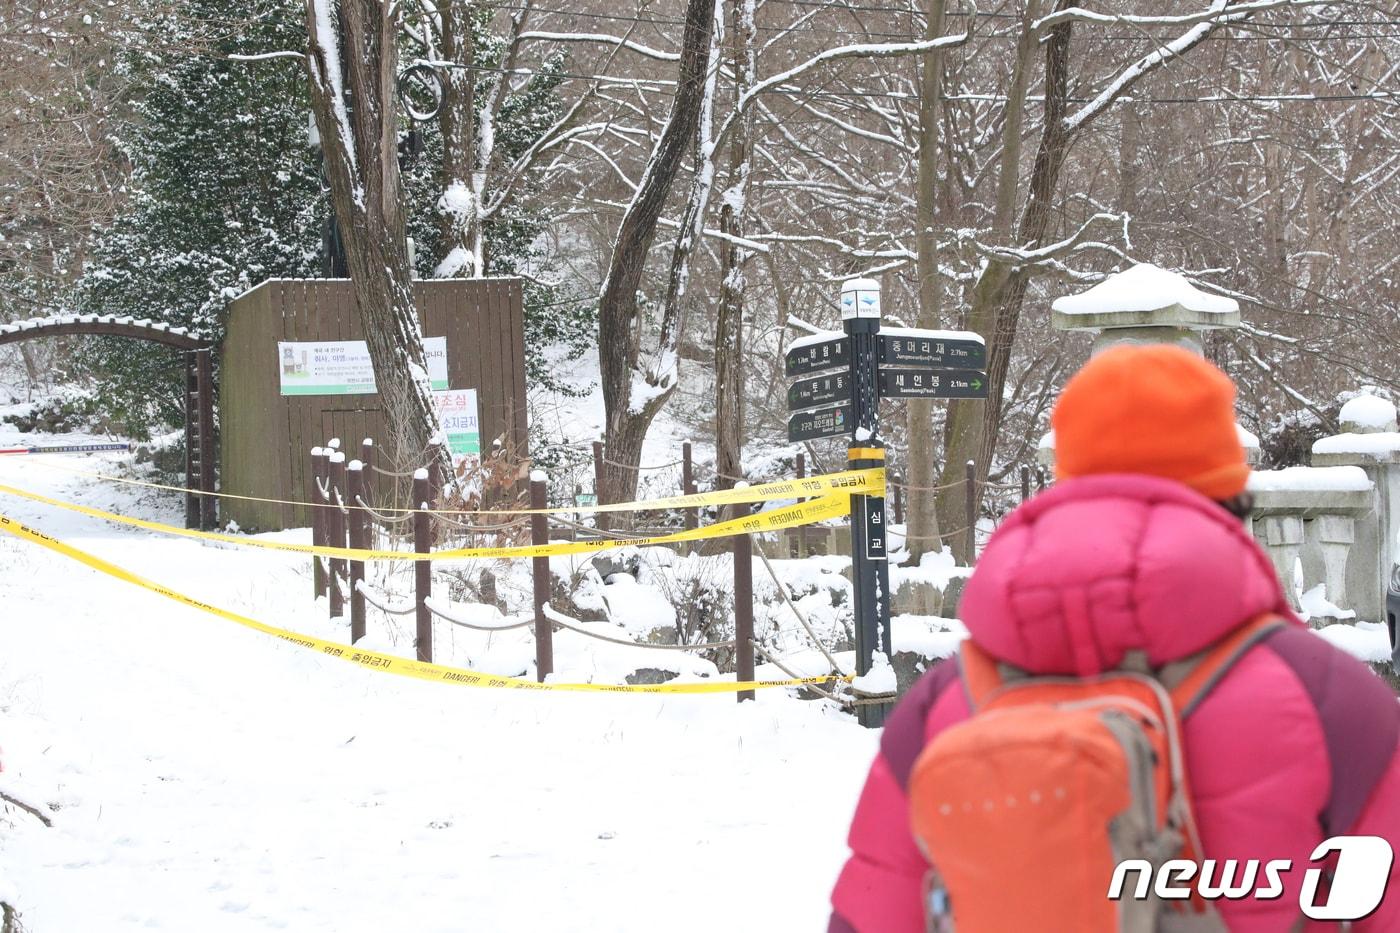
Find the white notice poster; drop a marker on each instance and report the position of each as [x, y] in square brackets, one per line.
[342, 367]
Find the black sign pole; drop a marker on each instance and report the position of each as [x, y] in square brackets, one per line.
[860, 312]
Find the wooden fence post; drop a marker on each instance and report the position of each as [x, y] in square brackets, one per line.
[367, 461]
[743, 602]
[337, 531]
[423, 570]
[539, 568]
[602, 519]
[318, 520]
[897, 484]
[971, 512]
[1040, 479]
[1025, 482]
[359, 538]
[692, 516]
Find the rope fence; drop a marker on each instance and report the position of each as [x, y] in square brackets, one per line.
[346, 515]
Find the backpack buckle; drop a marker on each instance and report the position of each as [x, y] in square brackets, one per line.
[938, 907]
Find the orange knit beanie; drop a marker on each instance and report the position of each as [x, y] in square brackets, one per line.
[1156, 409]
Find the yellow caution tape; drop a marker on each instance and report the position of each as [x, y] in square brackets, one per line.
[868, 482]
[375, 660]
[831, 505]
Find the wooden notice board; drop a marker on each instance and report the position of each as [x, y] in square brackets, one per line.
[266, 437]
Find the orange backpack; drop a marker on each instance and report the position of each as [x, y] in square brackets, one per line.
[1025, 809]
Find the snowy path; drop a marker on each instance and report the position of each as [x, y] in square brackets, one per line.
[213, 779]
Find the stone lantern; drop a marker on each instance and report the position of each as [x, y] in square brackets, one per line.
[1144, 304]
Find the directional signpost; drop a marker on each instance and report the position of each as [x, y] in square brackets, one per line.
[812, 355]
[938, 348]
[819, 423]
[819, 390]
[932, 383]
[838, 381]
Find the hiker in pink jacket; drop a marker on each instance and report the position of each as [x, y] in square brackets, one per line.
[1141, 547]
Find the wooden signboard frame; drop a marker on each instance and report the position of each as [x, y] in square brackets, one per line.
[266, 436]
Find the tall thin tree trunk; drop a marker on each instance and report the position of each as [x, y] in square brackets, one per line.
[1045, 177]
[963, 430]
[632, 396]
[923, 513]
[729, 323]
[363, 169]
[457, 119]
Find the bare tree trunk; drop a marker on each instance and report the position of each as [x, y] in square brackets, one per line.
[729, 324]
[963, 431]
[457, 119]
[1045, 176]
[923, 513]
[631, 395]
[362, 166]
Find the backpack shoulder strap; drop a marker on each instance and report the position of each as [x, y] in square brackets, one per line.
[980, 672]
[1190, 679]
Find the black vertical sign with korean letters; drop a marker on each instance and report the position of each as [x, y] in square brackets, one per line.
[876, 545]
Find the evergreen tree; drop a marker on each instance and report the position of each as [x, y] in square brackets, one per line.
[225, 192]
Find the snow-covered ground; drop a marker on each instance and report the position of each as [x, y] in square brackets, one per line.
[211, 778]
[200, 776]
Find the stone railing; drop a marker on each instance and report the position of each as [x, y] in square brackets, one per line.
[1337, 521]
[1306, 518]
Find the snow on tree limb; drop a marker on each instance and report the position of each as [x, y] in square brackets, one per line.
[1221, 13]
[619, 41]
[1079, 14]
[866, 50]
[1051, 251]
[264, 56]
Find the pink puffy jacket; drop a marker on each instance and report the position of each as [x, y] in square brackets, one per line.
[1297, 743]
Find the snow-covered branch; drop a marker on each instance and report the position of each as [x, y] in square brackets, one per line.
[1051, 251]
[264, 56]
[598, 37]
[1220, 13]
[868, 50]
[1079, 14]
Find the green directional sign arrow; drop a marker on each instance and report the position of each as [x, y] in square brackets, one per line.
[904, 382]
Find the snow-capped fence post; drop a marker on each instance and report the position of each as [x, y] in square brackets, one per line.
[539, 568]
[602, 520]
[692, 516]
[970, 498]
[422, 570]
[743, 602]
[359, 526]
[337, 531]
[367, 464]
[318, 519]
[1040, 479]
[1025, 482]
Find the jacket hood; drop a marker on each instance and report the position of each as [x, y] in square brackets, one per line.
[1102, 565]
